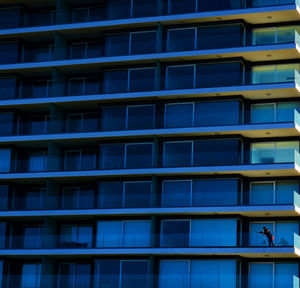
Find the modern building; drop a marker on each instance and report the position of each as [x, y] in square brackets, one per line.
[145, 143]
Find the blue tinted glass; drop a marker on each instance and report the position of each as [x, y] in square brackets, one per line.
[175, 234]
[284, 191]
[261, 275]
[217, 113]
[10, 17]
[262, 193]
[6, 124]
[118, 9]
[263, 113]
[110, 195]
[110, 234]
[181, 39]
[285, 111]
[134, 274]
[219, 36]
[113, 118]
[224, 74]
[182, 6]
[142, 79]
[2, 235]
[284, 233]
[180, 77]
[177, 154]
[144, 8]
[138, 155]
[215, 192]
[108, 273]
[140, 117]
[115, 81]
[285, 274]
[219, 5]
[174, 273]
[7, 88]
[112, 156]
[137, 194]
[216, 152]
[3, 197]
[9, 53]
[116, 45]
[143, 42]
[83, 276]
[176, 193]
[136, 233]
[179, 115]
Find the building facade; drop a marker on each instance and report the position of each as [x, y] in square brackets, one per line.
[146, 143]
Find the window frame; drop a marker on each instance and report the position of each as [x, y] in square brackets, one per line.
[183, 28]
[136, 69]
[140, 105]
[139, 32]
[179, 103]
[184, 65]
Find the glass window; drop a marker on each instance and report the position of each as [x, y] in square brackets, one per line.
[285, 111]
[5, 158]
[38, 124]
[4, 194]
[41, 88]
[137, 194]
[76, 86]
[284, 191]
[144, 8]
[218, 273]
[9, 53]
[285, 151]
[80, 14]
[256, 238]
[174, 273]
[264, 36]
[217, 113]
[35, 198]
[284, 233]
[6, 123]
[262, 153]
[137, 233]
[143, 42]
[140, 117]
[224, 36]
[180, 77]
[118, 9]
[181, 39]
[262, 193]
[181, 6]
[1, 274]
[142, 79]
[32, 237]
[74, 275]
[176, 193]
[10, 17]
[8, 88]
[113, 118]
[44, 53]
[74, 123]
[109, 234]
[263, 74]
[263, 113]
[110, 195]
[175, 233]
[78, 50]
[177, 154]
[3, 230]
[112, 156]
[139, 155]
[286, 72]
[221, 74]
[286, 34]
[134, 274]
[286, 274]
[72, 160]
[179, 115]
[117, 45]
[38, 161]
[217, 152]
[115, 81]
[259, 3]
[31, 276]
[206, 191]
[78, 198]
[76, 236]
[214, 232]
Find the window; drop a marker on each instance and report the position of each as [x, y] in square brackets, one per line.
[177, 154]
[140, 117]
[8, 87]
[123, 233]
[179, 115]
[175, 233]
[82, 122]
[270, 274]
[80, 14]
[38, 124]
[35, 198]
[1, 274]
[77, 198]
[44, 53]
[274, 73]
[180, 77]
[33, 237]
[5, 158]
[139, 155]
[124, 194]
[9, 53]
[279, 192]
[142, 79]
[176, 193]
[112, 156]
[80, 160]
[41, 88]
[115, 81]
[274, 152]
[181, 6]
[6, 123]
[74, 275]
[197, 273]
[10, 17]
[283, 233]
[144, 8]
[79, 50]
[3, 236]
[117, 45]
[76, 86]
[259, 3]
[122, 274]
[118, 9]
[113, 118]
[143, 42]
[76, 236]
[183, 39]
[31, 276]
[37, 161]
[4, 194]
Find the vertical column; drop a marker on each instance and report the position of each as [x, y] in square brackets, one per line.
[63, 12]
[58, 85]
[50, 233]
[158, 76]
[152, 272]
[61, 48]
[154, 239]
[52, 195]
[160, 38]
[48, 277]
[155, 152]
[154, 192]
[160, 7]
[57, 124]
[55, 157]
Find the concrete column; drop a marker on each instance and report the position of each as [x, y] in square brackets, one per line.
[63, 12]
[50, 239]
[155, 152]
[160, 7]
[55, 157]
[59, 83]
[61, 48]
[158, 74]
[152, 272]
[160, 38]
[48, 273]
[52, 195]
[57, 123]
[154, 236]
[154, 192]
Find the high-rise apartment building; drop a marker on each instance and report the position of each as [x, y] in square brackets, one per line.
[146, 143]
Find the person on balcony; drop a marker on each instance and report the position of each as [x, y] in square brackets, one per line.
[267, 232]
